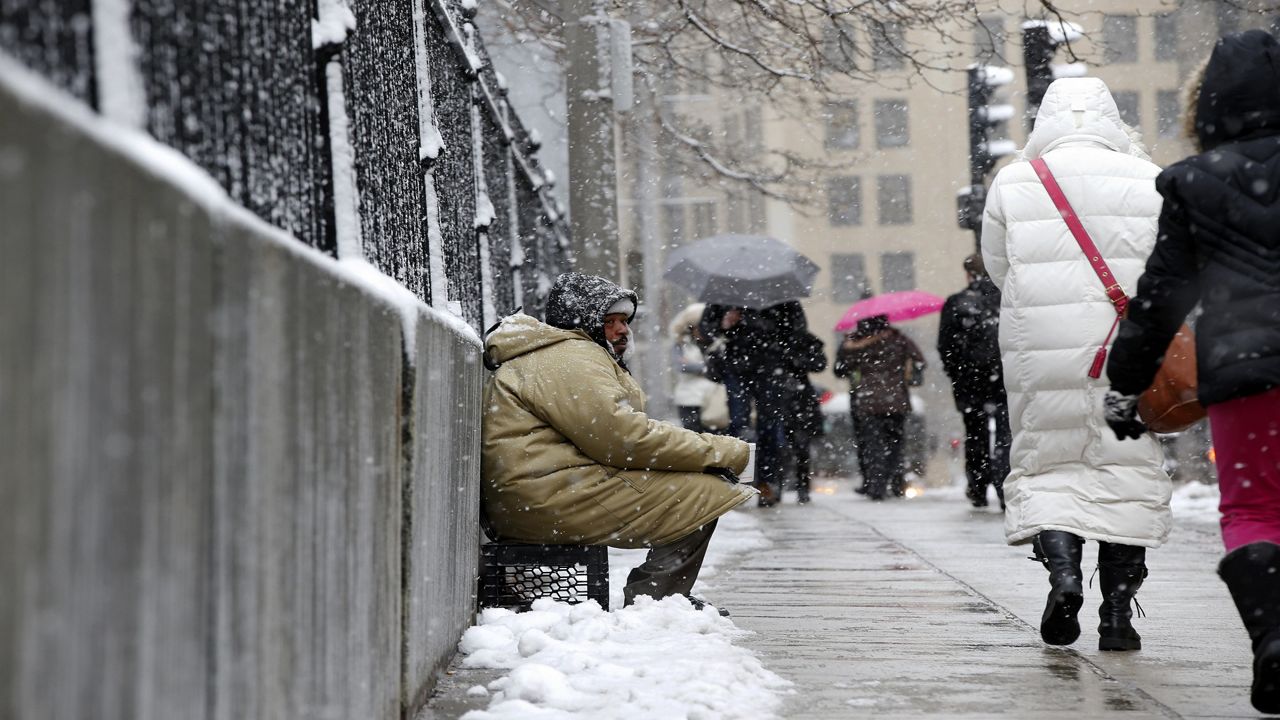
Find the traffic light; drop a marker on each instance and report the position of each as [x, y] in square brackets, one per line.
[1040, 41]
[986, 119]
[985, 144]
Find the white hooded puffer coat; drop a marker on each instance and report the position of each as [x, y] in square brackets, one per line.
[1068, 470]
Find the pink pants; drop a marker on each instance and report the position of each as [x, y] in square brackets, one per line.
[1246, 438]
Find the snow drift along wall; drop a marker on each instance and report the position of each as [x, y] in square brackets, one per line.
[237, 479]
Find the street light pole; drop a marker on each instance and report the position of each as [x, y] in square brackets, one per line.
[593, 201]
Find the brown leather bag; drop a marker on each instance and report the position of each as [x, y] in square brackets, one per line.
[1170, 404]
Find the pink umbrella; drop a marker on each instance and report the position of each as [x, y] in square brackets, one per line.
[899, 306]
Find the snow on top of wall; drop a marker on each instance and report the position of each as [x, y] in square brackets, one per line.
[121, 94]
[335, 22]
[485, 213]
[168, 165]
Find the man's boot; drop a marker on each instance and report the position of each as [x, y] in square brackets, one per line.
[1252, 573]
[1060, 553]
[1122, 568]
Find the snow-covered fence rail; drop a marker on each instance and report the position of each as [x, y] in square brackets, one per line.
[361, 128]
[237, 476]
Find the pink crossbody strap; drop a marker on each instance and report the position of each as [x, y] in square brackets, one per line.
[1115, 293]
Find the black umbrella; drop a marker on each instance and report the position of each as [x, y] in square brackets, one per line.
[753, 271]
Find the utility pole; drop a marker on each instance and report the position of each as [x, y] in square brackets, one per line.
[593, 183]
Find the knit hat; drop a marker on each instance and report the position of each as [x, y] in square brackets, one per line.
[578, 301]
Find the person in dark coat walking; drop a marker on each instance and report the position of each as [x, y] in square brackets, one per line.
[969, 343]
[751, 351]
[1219, 246]
[874, 357]
[802, 353]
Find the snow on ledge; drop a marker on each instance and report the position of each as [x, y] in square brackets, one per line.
[168, 165]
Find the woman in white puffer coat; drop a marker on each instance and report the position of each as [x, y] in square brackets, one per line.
[1070, 478]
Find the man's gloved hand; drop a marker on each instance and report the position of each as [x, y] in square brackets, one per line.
[1121, 413]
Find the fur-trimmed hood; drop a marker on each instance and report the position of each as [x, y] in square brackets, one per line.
[1236, 94]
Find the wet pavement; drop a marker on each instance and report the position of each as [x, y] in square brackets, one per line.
[917, 609]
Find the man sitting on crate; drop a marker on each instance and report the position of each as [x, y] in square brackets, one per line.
[570, 458]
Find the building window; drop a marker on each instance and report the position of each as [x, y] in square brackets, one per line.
[844, 200]
[1168, 113]
[888, 42]
[894, 199]
[838, 48]
[842, 125]
[989, 39]
[1120, 38]
[848, 277]
[891, 123]
[756, 212]
[1166, 37]
[673, 224]
[1127, 102]
[897, 271]
[704, 218]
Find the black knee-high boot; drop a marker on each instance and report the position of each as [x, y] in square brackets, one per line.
[1252, 573]
[1060, 553]
[1122, 568]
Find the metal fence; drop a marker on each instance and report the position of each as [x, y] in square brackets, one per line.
[246, 91]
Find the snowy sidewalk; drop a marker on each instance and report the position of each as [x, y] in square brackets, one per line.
[917, 608]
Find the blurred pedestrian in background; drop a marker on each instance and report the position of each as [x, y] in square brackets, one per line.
[1070, 478]
[753, 357]
[692, 388]
[1220, 247]
[875, 357]
[969, 344]
[803, 354]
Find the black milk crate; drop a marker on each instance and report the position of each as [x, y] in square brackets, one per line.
[513, 576]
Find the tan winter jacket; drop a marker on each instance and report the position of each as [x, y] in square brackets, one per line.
[570, 457]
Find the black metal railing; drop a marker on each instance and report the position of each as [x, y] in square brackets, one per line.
[242, 89]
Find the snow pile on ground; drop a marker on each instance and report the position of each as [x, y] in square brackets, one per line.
[1196, 502]
[654, 659]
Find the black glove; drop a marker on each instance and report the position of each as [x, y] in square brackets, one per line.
[1121, 413]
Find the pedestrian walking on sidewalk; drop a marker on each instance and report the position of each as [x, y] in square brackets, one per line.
[693, 389]
[969, 344]
[1219, 247]
[802, 353]
[755, 366]
[1070, 479]
[569, 456]
[875, 357]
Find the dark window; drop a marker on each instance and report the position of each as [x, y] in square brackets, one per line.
[704, 219]
[888, 42]
[1166, 37]
[673, 224]
[848, 277]
[891, 123]
[844, 200]
[1120, 38]
[842, 125]
[1168, 113]
[838, 48]
[894, 199]
[897, 271]
[989, 39]
[1127, 102]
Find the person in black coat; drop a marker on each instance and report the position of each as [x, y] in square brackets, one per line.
[1219, 246]
[968, 342]
[802, 353]
[753, 353]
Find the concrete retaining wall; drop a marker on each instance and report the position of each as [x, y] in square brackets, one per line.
[225, 492]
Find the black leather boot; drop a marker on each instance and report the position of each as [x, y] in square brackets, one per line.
[1060, 553]
[1122, 568]
[1252, 573]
